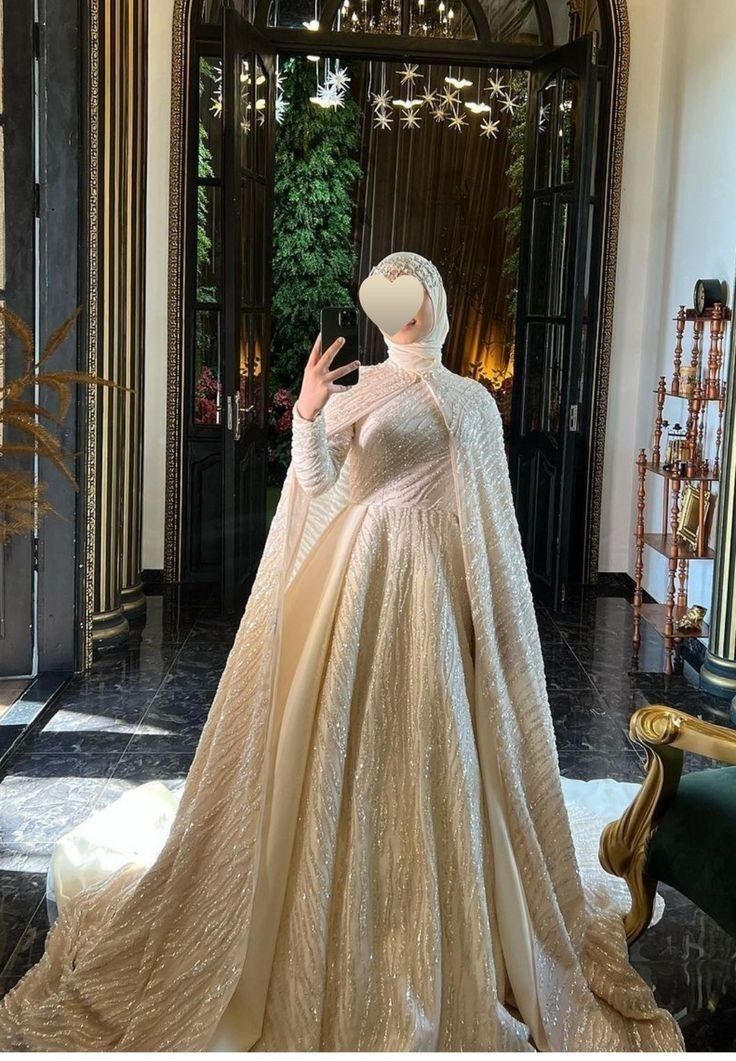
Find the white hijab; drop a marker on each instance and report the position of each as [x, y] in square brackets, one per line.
[424, 354]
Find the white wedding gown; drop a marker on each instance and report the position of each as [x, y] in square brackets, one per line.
[399, 915]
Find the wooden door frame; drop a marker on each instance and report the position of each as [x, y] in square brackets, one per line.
[614, 72]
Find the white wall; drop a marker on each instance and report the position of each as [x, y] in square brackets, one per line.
[678, 223]
[154, 416]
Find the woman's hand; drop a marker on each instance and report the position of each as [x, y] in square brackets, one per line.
[318, 382]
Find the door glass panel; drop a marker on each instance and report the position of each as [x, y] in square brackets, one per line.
[247, 242]
[262, 110]
[246, 132]
[244, 361]
[535, 339]
[209, 243]
[559, 264]
[543, 393]
[553, 378]
[259, 231]
[257, 374]
[539, 279]
[568, 119]
[210, 117]
[207, 388]
[545, 133]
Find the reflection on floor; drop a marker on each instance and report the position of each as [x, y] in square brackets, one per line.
[138, 716]
[10, 690]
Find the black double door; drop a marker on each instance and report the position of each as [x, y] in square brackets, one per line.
[228, 459]
[231, 237]
[249, 96]
[548, 429]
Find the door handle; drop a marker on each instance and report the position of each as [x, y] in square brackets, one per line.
[236, 417]
[573, 422]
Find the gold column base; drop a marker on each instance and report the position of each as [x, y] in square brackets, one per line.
[134, 602]
[718, 676]
[109, 629]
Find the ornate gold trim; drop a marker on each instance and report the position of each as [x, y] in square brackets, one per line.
[620, 61]
[624, 843]
[666, 734]
[177, 228]
[90, 459]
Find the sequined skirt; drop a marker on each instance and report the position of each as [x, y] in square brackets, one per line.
[387, 939]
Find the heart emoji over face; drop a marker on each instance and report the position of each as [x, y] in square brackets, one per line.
[390, 304]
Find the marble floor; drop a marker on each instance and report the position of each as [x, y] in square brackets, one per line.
[138, 714]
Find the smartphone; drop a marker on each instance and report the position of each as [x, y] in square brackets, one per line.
[334, 322]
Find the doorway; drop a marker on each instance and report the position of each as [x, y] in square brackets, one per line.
[550, 356]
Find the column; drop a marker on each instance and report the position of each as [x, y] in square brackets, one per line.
[117, 246]
[718, 672]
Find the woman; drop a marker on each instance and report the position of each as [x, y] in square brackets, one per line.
[371, 850]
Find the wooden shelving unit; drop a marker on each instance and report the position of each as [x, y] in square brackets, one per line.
[685, 464]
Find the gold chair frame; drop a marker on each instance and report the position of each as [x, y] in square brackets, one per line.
[666, 734]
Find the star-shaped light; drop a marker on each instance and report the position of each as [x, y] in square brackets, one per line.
[428, 97]
[544, 116]
[449, 96]
[489, 128]
[439, 113]
[339, 78]
[332, 96]
[410, 73]
[383, 120]
[281, 108]
[509, 103]
[495, 86]
[457, 121]
[410, 119]
[382, 99]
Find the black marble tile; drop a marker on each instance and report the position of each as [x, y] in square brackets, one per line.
[45, 796]
[21, 892]
[562, 668]
[174, 721]
[140, 766]
[29, 948]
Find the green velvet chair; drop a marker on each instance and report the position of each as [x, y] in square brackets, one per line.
[680, 829]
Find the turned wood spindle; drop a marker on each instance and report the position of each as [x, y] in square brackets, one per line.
[656, 448]
[641, 462]
[701, 544]
[711, 389]
[694, 406]
[696, 348]
[701, 444]
[672, 560]
[721, 342]
[682, 587]
[719, 430]
[680, 319]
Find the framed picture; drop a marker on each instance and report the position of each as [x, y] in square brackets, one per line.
[687, 523]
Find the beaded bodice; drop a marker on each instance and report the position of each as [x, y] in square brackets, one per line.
[399, 453]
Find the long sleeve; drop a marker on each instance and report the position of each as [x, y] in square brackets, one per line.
[317, 459]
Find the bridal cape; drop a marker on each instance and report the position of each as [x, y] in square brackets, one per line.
[154, 958]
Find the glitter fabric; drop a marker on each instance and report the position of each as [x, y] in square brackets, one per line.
[369, 798]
